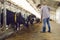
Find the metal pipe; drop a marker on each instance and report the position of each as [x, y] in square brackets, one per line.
[4, 14]
[0, 14]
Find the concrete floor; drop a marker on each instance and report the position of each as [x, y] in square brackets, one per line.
[35, 34]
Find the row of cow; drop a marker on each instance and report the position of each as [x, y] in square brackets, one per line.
[17, 19]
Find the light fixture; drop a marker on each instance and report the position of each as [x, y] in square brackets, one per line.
[25, 5]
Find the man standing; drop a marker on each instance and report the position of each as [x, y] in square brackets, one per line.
[45, 16]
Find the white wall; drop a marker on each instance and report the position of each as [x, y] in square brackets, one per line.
[58, 15]
[53, 15]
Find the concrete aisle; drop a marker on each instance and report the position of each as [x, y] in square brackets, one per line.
[37, 35]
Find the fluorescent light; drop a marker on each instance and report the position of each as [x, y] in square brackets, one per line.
[24, 4]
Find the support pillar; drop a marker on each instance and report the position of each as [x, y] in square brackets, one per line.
[4, 14]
